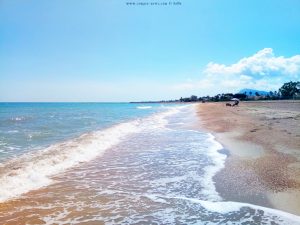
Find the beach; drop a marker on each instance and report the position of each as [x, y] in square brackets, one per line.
[146, 165]
[262, 141]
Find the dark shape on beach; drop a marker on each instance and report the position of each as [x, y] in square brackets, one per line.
[236, 101]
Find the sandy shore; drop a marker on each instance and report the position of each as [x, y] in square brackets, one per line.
[263, 139]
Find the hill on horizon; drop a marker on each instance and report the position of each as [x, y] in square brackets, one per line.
[251, 92]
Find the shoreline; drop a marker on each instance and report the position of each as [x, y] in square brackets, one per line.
[263, 141]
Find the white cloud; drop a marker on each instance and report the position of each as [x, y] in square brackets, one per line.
[263, 71]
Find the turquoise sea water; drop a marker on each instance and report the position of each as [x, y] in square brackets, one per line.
[114, 163]
[28, 126]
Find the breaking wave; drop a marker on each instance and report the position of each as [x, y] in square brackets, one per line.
[144, 107]
[32, 171]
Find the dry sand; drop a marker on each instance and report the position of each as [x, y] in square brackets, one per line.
[263, 139]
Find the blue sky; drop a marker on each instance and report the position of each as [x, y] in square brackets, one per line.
[108, 51]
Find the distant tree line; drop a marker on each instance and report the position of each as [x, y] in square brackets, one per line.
[289, 90]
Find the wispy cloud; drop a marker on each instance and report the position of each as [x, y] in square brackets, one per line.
[262, 70]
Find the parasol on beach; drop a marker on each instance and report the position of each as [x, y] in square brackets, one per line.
[235, 99]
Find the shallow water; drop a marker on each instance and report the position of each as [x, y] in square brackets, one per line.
[26, 127]
[152, 170]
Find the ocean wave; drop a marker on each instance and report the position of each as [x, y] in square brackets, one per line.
[12, 131]
[144, 107]
[228, 207]
[224, 212]
[218, 163]
[19, 118]
[34, 170]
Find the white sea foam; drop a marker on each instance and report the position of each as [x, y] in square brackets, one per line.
[12, 131]
[218, 163]
[18, 118]
[144, 107]
[227, 207]
[34, 170]
[215, 164]
[155, 198]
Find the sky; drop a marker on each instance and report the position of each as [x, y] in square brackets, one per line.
[73, 50]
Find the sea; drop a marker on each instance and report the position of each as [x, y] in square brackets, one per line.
[114, 163]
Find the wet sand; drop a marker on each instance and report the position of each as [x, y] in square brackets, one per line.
[263, 139]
